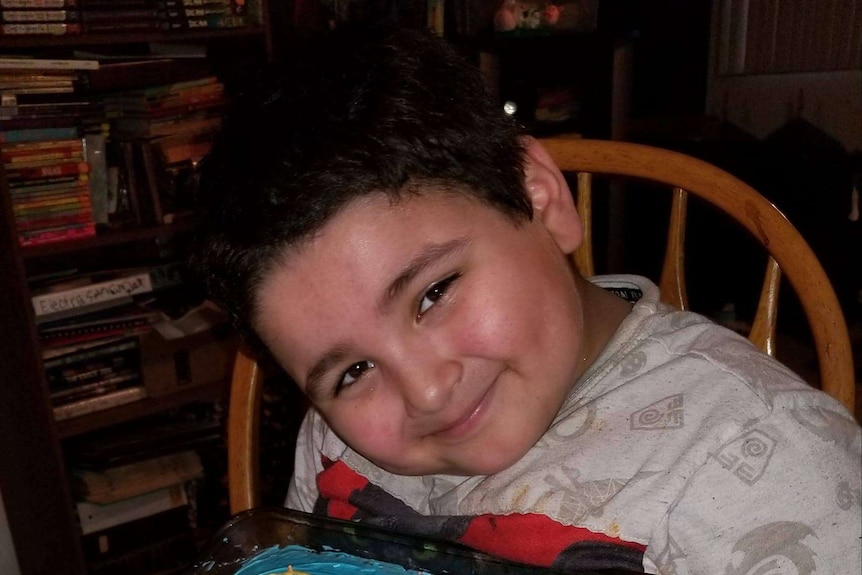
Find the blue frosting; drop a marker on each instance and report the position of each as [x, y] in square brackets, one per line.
[276, 560]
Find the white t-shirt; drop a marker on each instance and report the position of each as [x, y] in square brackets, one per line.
[681, 437]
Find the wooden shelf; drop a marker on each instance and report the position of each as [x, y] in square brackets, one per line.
[107, 238]
[34, 477]
[151, 405]
[25, 41]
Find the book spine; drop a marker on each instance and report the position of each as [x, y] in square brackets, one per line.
[39, 15]
[54, 184]
[151, 174]
[41, 29]
[120, 26]
[38, 134]
[117, 15]
[93, 404]
[60, 220]
[125, 481]
[49, 193]
[52, 303]
[53, 171]
[94, 517]
[47, 64]
[112, 348]
[51, 341]
[64, 198]
[95, 389]
[41, 145]
[56, 236]
[38, 4]
[49, 154]
[36, 123]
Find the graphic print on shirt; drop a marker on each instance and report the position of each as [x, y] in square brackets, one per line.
[846, 496]
[666, 413]
[569, 428]
[523, 537]
[633, 363]
[747, 456]
[828, 425]
[773, 548]
[582, 499]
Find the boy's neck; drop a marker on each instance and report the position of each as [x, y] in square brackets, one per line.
[603, 313]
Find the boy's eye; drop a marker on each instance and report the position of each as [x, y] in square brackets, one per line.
[435, 293]
[354, 372]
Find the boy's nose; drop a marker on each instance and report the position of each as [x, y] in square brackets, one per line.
[428, 389]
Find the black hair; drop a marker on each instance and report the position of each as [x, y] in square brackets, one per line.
[396, 112]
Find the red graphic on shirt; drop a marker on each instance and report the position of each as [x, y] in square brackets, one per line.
[528, 538]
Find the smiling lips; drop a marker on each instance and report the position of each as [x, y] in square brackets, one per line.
[462, 427]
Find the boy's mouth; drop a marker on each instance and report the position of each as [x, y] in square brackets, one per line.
[470, 420]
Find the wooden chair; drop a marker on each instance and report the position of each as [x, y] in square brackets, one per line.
[789, 255]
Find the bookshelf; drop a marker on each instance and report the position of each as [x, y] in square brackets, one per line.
[34, 479]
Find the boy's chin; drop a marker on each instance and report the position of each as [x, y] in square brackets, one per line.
[490, 464]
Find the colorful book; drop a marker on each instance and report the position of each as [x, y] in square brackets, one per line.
[15, 173]
[37, 134]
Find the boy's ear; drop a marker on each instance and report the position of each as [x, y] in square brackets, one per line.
[553, 204]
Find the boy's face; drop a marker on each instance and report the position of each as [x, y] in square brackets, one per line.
[434, 335]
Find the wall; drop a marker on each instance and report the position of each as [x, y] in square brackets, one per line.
[8, 560]
[760, 103]
[811, 68]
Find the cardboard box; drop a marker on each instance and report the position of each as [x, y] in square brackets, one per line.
[200, 359]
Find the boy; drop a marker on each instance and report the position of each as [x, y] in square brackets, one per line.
[388, 235]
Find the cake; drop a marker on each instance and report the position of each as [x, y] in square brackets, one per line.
[298, 560]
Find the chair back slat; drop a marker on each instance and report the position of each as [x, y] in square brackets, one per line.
[762, 219]
[763, 327]
[583, 256]
[243, 422]
[672, 283]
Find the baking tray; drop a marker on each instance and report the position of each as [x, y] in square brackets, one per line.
[253, 531]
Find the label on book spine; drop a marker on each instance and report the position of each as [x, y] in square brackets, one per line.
[91, 295]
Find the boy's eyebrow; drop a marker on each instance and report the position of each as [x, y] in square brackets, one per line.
[427, 256]
[314, 377]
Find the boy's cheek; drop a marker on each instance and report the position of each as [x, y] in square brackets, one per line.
[372, 428]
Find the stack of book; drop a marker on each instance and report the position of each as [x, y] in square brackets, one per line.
[146, 121]
[96, 376]
[190, 107]
[168, 129]
[39, 17]
[39, 99]
[192, 14]
[71, 17]
[89, 328]
[137, 518]
[49, 185]
[144, 490]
